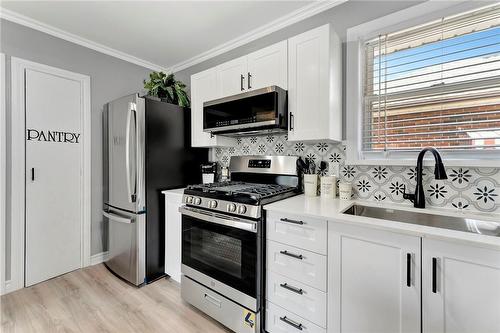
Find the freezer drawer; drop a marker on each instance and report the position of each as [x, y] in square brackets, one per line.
[126, 250]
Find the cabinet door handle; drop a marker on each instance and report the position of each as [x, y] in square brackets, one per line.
[291, 122]
[248, 83]
[291, 221]
[291, 323]
[242, 78]
[434, 275]
[291, 288]
[293, 255]
[32, 174]
[408, 269]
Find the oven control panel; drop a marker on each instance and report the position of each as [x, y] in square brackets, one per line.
[223, 206]
[259, 164]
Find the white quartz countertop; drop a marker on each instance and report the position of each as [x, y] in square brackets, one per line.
[331, 210]
[177, 191]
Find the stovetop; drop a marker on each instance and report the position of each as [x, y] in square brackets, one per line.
[255, 191]
[256, 181]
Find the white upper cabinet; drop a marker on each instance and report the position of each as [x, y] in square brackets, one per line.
[460, 288]
[307, 65]
[374, 280]
[314, 86]
[268, 67]
[263, 68]
[204, 88]
[231, 77]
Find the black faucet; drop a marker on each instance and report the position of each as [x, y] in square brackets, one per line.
[418, 198]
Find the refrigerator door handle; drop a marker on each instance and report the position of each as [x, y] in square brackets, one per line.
[131, 196]
[117, 218]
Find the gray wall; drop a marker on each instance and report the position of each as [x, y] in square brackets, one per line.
[110, 78]
[342, 17]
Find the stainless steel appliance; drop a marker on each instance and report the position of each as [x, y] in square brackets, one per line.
[145, 150]
[223, 238]
[250, 112]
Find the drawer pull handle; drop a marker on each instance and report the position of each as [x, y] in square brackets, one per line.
[294, 289]
[434, 275]
[408, 269]
[293, 255]
[291, 323]
[213, 300]
[291, 221]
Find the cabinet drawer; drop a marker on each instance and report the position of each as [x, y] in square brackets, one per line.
[279, 320]
[301, 265]
[297, 298]
[303, 232]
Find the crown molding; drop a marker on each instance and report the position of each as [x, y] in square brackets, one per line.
[56, 32]
[278, 24]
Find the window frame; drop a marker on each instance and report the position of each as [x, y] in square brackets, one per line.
[355, 61]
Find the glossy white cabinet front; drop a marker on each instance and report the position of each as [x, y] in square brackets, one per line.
[460, 288]
[268, 67]
[373, 287]
[315, 86]
[203, 89]
[299, 264]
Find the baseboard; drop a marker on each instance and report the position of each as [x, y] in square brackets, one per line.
[98, 258]
[8, 287]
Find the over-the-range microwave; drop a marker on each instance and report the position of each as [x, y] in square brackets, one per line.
[247, 113]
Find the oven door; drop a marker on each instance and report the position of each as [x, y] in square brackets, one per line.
[224, 250]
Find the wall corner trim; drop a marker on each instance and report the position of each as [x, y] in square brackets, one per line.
[56, 32]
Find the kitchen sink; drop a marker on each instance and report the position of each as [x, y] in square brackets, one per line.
[475, 226]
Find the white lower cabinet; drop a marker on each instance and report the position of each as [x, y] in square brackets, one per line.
[302, 232]
[298, 264]
[374, 280]
[297, 297]
[461, 288]
[371, 280]
[296, 273]
[279, 320]
[173, 234]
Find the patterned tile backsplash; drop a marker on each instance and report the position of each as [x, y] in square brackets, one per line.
[465, 189]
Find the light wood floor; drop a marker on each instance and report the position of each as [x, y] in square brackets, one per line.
[93, 300]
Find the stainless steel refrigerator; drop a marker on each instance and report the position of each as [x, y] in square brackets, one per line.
[146, 149]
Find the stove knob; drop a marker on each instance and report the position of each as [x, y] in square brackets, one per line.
[212, 204]
[189, 200]
[231, 207]
[197, 201]
[242, 209]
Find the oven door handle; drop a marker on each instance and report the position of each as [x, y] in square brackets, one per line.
[211, 217]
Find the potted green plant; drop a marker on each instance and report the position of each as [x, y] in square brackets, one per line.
[167, 88]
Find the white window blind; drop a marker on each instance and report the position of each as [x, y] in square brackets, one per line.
[435, 85]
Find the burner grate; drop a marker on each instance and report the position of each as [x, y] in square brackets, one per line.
[257, 191]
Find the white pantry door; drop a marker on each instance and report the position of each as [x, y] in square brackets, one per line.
[53, 175]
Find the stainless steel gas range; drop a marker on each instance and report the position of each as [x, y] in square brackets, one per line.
[223, 238]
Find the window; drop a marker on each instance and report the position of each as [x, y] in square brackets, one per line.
[436, 84]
